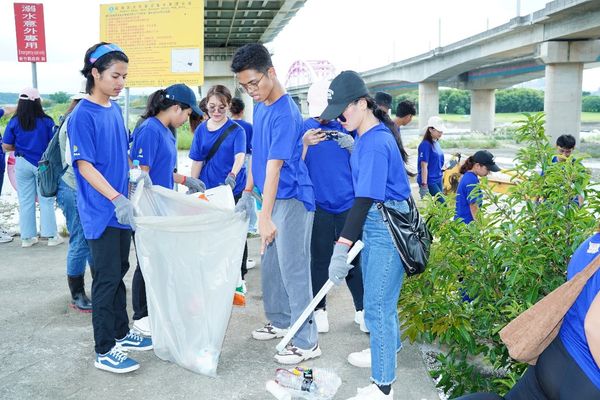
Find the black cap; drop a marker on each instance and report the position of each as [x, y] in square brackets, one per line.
[183, 94]
[383, 99]
[344, 89]
[486, 158]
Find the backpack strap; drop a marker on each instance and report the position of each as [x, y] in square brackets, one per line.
[220, 140]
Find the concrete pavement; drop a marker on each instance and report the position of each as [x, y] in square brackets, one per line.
[46, 348]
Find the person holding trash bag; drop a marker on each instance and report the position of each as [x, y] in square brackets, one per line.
[155, 148]
[98, 142]
[431, 159]
[218, 153]
[379, 175]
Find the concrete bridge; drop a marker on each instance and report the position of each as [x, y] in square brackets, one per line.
[557, 42]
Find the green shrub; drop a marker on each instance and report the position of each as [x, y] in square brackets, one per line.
[590, 104]
[515, 252]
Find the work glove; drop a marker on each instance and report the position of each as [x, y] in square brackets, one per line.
[142, 176]
[338, 266]
[124, 210]
[345, 141]
[244, 204]
[194, 185]
[230, 180]
[423, 191]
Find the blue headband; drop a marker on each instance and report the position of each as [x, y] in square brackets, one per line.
[103, 50]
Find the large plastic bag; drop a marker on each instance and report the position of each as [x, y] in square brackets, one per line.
[190, 251]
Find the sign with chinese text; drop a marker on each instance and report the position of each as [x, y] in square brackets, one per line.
[164, 40]
[29, 24]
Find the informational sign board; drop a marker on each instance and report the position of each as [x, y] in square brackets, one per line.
[31, 39]
[164, 40]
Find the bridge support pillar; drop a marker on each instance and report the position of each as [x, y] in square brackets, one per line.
[429, 102]
[564, 75]
[483, 110]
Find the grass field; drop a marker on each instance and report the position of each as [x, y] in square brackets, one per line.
[586, 117]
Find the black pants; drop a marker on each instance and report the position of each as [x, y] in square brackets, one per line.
[326, 230]
[245, 256]
[110, 253]
[556, 376]
[138, 291]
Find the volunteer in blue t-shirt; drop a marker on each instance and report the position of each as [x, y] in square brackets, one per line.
[226, 163]
[27, 134]
[430, 160]
[154, 147]
[468, 197]
[565, 146]
[288, 203]
[329, 169]
[6, 236]
[569, 368]
[98, 141]
[378, 175]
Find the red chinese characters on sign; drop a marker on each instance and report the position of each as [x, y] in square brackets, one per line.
[31, 40]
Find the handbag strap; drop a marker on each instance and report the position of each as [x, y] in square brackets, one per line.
[220, 140]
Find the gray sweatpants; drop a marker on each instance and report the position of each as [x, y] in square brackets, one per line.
[285, 265]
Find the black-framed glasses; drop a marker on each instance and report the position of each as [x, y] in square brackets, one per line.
[341, 117]
[251, 86]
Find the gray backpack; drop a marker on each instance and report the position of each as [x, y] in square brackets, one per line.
[50, 168]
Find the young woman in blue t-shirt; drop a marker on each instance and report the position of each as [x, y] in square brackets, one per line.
[155, 148]
[227, 164]
[379, 175]
[98, 142]
[431, 159]
[468, 197]
[27, 134]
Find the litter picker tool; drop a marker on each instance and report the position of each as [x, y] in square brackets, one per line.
[358, 246]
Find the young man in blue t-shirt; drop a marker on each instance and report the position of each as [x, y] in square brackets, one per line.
[288, 206]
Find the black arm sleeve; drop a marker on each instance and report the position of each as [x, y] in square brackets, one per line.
[356, 218]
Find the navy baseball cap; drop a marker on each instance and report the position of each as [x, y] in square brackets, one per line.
[344, 89]
[183, 94]
[486, 158]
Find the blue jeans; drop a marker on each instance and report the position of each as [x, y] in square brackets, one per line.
[435, 188]
[26, 176]
[286, 281]
[383, 275]
[79, 252]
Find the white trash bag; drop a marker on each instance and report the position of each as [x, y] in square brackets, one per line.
[190, 251]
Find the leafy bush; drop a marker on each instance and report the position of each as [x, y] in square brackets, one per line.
[515, 252]
[519, 100]
[590, 104]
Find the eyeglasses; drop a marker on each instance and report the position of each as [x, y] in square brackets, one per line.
[251, 86]
[341, 117]
[564, 151]
[212, 108]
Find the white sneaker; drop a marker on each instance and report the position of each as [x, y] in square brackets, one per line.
[55, 241]
[360, 359]
[250, 263]
[5, 238]
[268, 332]
[359, 318]
[29, 242]
[142, 326]
[322, 321]
[294, 355]
[7, 232]
[372, 392]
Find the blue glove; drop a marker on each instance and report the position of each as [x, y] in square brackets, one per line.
[345, 141]
[244, 204]
[338, 266]
[194, 184]
[230, 180]
[124, 211]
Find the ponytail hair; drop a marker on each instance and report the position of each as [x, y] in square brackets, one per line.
[158, 102]
[387, 121]
[468, 165]
[101, 63]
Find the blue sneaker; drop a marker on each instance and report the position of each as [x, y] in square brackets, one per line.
[134, 341]
[116, 361]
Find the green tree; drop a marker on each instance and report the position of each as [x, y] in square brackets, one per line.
[519, 100]
[515, 252]
[591, 104]
[59, 97]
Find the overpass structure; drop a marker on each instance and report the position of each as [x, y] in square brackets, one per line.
[229, 24]
[556, 42]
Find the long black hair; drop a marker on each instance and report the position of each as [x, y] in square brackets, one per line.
[468, 165]
[101, 64]
[158, 102]
[387, 121]
[28, 111]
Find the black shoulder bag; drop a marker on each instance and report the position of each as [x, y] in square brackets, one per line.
[217, 144]
[410, 235]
